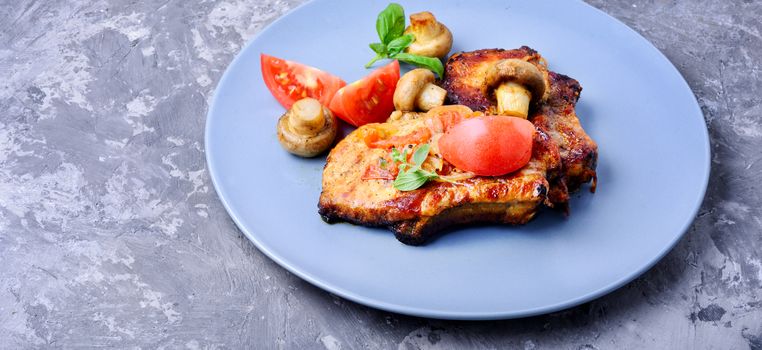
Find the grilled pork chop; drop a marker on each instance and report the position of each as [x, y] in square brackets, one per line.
[563, 158]
[556, 116]
[465, 84]
[416, 215]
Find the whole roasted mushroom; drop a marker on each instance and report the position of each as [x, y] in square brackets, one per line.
[416, 90]
[516, 83]
[432, 38]
[307, 129]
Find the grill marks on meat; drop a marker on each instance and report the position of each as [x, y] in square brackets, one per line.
[563, 158]
[465, 84]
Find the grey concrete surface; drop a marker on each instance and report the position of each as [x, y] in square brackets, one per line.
[111, 234]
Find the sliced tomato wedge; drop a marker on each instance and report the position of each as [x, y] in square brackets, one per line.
[370, 99]
[488, 145]
[291, 81]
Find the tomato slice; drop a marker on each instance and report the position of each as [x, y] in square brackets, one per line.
[385, 169]
[290, 81]
[370, 99]
[443, 121]
[376, 172]
[374, 140]
[488, 145]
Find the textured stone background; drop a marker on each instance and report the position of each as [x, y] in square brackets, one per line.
[111, 235]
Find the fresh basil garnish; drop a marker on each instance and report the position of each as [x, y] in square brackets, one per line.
[411, 176]
[390, 23]
[390, 26]
[397, 45]
[430, 63]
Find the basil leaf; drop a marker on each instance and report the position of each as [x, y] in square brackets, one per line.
[410, 180]
[390, 23]
[420, 154]
[378, 48]
[397, 45]
[430, 63]
[411, 176]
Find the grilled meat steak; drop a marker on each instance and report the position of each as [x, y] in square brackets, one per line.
[556, 116]
[466, 75]
[563, 158]
[465, 84]
[416, 215]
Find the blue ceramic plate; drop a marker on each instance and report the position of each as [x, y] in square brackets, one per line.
[653, 167]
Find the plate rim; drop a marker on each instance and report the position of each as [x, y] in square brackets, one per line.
[442, 314]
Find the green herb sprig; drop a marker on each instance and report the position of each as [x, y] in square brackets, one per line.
[390, 26]
[411, 176]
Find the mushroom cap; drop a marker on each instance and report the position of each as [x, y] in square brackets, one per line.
[432, 38]
[520, 72]
[409, 86]
[307, 144]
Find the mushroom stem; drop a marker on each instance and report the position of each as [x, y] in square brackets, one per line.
[416, 89]
[430, 96]
[307, 129]
[307, 116]
[513, 100]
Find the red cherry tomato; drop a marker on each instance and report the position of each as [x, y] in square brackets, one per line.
[488, 145]
[370, 99]
[290, 81]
